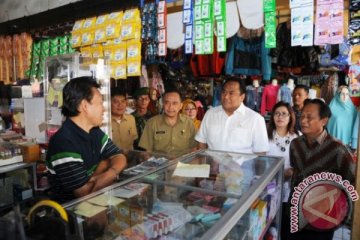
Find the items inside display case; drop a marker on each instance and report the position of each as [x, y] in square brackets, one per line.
[162, 205]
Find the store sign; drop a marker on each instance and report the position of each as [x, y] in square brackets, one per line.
[13, 9]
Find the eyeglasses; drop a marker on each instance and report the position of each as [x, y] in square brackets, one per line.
[190, 109]
[281, 114]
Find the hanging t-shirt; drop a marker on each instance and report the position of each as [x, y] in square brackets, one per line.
[269, 97]
[342, 119]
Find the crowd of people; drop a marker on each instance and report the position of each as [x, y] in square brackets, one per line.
[88, 159]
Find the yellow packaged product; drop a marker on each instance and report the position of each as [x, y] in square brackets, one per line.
[117, 41]
[137, 33]
[86, 52]
[97, 51]
[131, 15]
[128, 31]
[89, 23]
[78, 25]
[100, 21]
[75, 40]
[87, 37]
[133, 50]
[134, 67]
[108, 52]
[119, 52]
[115, 17]
[112, 30]
[100, 35]
[118, 71]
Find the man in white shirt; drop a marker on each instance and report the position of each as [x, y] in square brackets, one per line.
[233, 126]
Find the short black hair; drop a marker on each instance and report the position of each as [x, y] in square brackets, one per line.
[302, 86]
[324, 109]
[76, 90]
[118, 92]
[242, 86]
[173, 90]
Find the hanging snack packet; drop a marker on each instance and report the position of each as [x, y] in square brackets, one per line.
[133, 50]
[134, 68]
[118, 71]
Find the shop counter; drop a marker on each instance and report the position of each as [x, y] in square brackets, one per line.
[203, 195]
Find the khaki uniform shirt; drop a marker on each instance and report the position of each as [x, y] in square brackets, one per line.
[124, 132]
[159, 136]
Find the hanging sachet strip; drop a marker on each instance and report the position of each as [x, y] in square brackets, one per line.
[188, 21]
[162, 18]
[220, 23]
[270, 23]
[329, 25]
[302, 16]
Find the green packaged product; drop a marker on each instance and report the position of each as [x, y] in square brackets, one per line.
[221, 43]
[63, 41]
[45, 46]
[270, 37]
[208, 45]
[270, 19]
[269, 5]
[54, 42]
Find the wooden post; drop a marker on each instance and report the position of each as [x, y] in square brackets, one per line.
[355, 230]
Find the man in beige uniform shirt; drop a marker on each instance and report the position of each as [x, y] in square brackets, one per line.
[123, 125]
[170, 132]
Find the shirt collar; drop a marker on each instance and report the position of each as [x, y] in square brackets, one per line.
[320, 139]
[124, 118]
[240, 109]
[181, 117]
[76, 129]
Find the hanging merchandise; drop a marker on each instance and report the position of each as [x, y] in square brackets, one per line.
[354, 75]
[112, 25]
[131, 31]
[354, 26]
[149, 32]
[14, 49]
[162, 24]
[188, 21]
[43, 49]
[270, 23]
[247, 55]
[221, 24]
[302, 16]
[251, 13]
[329, 25]
[204, 22]
[115, 36]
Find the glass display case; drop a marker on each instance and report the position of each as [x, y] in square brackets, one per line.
[59, 70]
[203, 195]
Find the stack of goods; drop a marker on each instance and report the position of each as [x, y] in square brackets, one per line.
[14, 50]
[43, 49]
[145, 166]
[115, 36]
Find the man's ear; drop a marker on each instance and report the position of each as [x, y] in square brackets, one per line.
[83, 106]
[324, 121]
